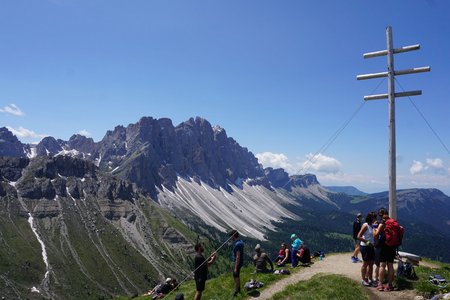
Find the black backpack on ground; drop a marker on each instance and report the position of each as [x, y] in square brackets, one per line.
[405, 269]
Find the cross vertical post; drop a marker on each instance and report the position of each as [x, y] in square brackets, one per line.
[392, 144]
[391, 95]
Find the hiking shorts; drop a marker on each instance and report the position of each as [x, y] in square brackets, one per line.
[377, 255]
[368, 253]
[387, 254]
[236, 274]
[200, 284]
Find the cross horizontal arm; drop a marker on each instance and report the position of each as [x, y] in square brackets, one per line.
[370, 76]
[401, 72]
[397, 95]
[413, 70]
[385, 52]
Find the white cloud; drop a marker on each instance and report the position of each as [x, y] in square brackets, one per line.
[435, 163]
[416, 167]
[431, 165]
[25, 133]
[85, 133]
[12, 109]
[275, 160]
[321, 163]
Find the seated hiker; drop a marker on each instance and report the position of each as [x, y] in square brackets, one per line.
[261, 259]
[286, 256]
[163, 289]
[304, 255]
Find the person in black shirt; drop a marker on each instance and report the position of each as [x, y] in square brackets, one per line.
[356, 229]
[201, 270]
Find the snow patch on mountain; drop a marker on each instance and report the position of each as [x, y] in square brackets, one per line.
[32, 152]
[249, 209]
[73, 153]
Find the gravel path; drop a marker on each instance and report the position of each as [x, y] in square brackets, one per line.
[332, 264]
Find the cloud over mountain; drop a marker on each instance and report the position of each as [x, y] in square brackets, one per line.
[85, 133]
[12, 109]
[22, 132]
[276, 160]
[322, 163]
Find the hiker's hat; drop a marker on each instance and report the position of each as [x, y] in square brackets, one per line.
[258, 247]
[359, 214]
[293, 236]
[168, 279]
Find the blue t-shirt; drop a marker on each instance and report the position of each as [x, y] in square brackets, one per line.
[238, 246]
[297, 243]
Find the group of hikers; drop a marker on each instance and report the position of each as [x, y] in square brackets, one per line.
[377, 239]
[297, 253]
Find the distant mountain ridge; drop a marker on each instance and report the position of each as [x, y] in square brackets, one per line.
[349, 190]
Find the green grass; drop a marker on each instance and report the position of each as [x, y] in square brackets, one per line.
[222, 287]
[324, 287]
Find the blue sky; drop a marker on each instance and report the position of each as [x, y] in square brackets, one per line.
[279, 76]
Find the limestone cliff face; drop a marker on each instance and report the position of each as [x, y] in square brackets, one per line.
[152, 152]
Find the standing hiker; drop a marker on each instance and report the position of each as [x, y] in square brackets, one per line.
[201, 266]
[391, 235]
[356, 229]
[238, 259]
[365, 236]
[296, 243]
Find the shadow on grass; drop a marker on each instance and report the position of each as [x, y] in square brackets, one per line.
[254, 294]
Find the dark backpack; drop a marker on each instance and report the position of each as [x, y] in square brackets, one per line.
[393, 233]
[306, 257]
[406, 270]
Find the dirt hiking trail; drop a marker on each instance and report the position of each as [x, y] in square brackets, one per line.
[332, 264]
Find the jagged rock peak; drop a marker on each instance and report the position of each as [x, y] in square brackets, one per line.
[81, 143]
[49, 145]
[10, 144]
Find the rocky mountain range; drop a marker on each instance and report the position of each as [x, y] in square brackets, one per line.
[124, 212]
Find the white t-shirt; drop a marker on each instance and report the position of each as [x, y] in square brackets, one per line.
[367, 235]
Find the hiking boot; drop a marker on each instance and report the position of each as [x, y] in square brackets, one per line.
[354, 259]
[365, 283]
[380, 287]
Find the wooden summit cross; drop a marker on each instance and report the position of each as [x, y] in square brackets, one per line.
[391, 73]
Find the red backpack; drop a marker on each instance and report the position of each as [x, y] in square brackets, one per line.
[393, 232]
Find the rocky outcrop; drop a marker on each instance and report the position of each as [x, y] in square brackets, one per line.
[11, 167]
[277, 177]
[10, 145]
[303, 180]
